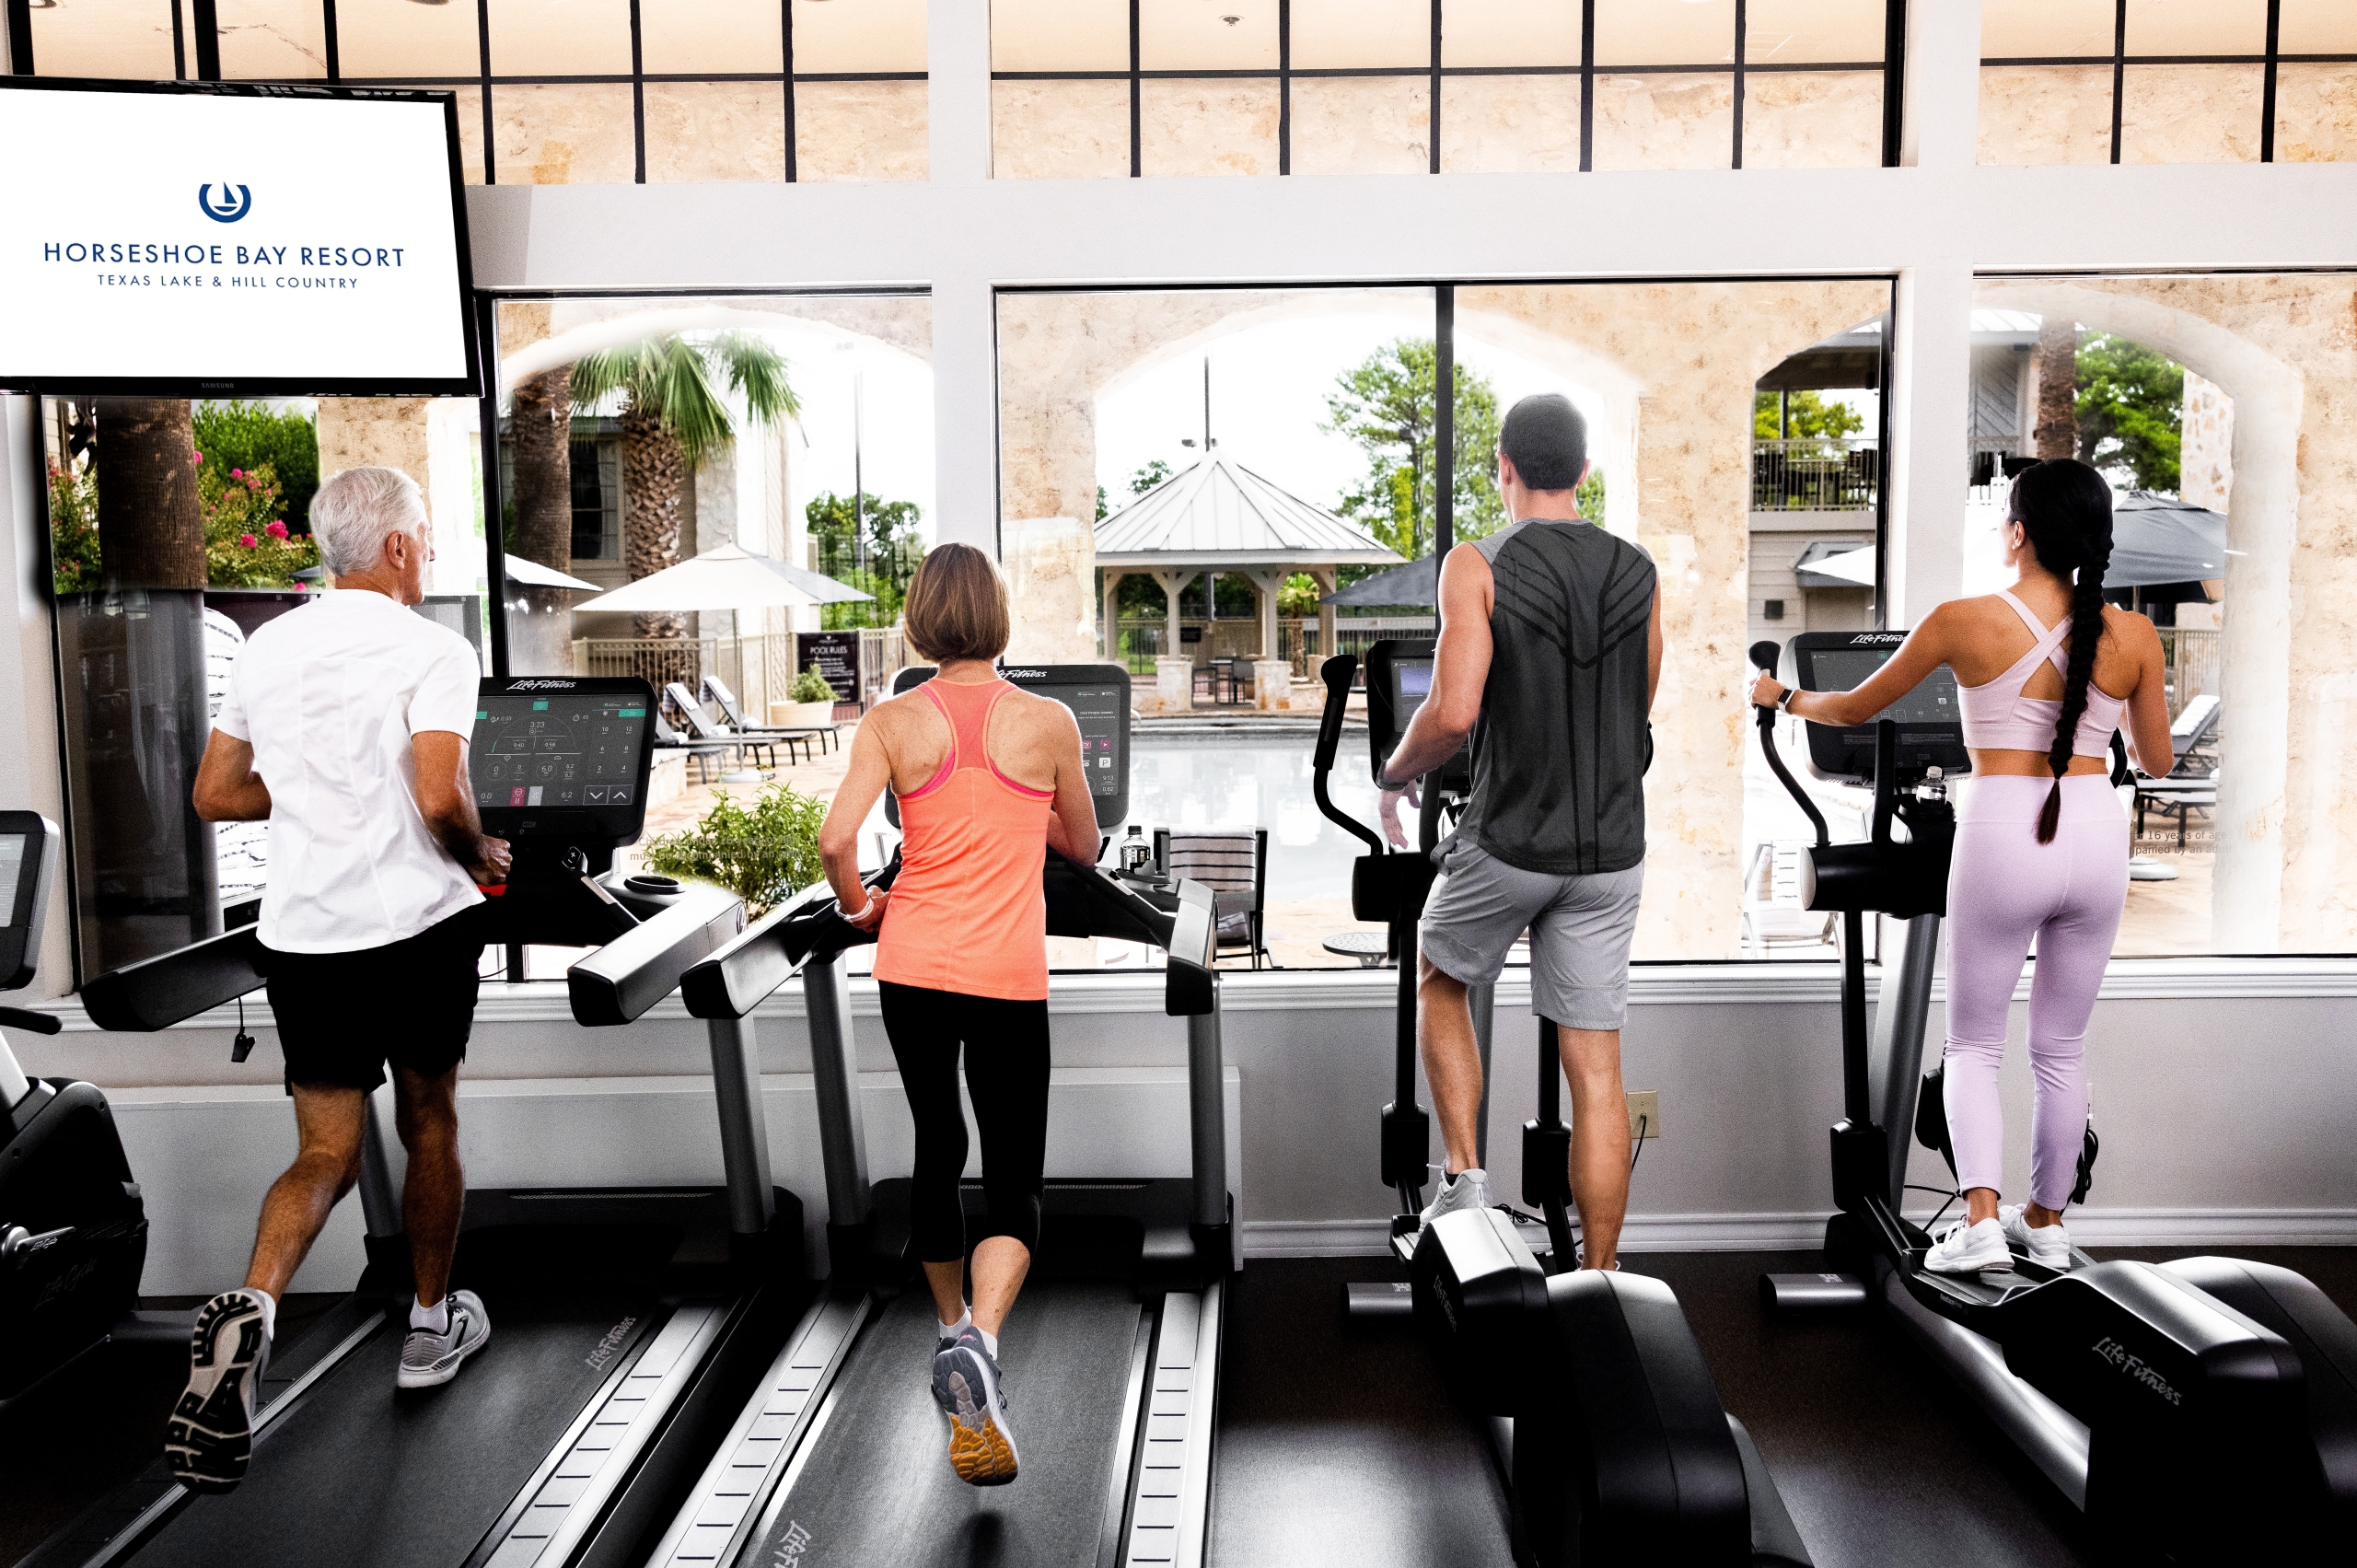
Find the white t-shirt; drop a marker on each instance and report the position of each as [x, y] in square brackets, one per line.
[327, 696]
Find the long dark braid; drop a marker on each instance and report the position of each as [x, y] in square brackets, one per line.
[2065, 508]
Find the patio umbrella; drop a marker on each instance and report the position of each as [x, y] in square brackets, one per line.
[1414, 583]
[1841, 566]
[727, 578]
[2158, 539]
[522, 574]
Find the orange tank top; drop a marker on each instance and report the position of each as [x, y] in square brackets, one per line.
[966, 913]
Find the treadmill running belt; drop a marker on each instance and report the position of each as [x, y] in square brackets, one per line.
[358, 1473]
[876, 1486]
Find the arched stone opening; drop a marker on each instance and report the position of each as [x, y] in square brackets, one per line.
[1677, 364]
[2285, 350]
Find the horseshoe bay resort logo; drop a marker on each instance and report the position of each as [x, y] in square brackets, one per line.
[229, 208]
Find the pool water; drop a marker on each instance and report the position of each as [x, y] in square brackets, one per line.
[1194, 782]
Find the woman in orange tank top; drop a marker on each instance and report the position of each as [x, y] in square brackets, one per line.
[989, 780]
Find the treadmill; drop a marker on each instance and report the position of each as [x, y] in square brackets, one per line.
[1112, 1357]
[2200, 1411]
[625, 1323]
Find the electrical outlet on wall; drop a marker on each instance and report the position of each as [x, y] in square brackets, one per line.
[1644, 1107]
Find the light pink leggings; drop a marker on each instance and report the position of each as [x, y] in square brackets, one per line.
[2004, 887]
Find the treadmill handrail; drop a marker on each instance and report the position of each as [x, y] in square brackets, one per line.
[154, 994]
[741, 974]
[622, 979]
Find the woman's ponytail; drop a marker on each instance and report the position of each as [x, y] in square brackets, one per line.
[2065, 508]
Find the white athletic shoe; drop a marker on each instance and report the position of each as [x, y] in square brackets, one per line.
[1468, 1189]
[429, 1360]
[1969, 1249]
[2049, 1245]
[210, 1436]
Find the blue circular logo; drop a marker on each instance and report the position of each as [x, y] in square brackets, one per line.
[226, 210]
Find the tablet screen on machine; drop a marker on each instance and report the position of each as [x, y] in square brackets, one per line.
[556, 757]
[1931, 723]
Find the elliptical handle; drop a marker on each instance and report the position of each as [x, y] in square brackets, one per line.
[1765, 655]
[1337, 673]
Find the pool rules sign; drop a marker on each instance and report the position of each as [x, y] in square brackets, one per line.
[837, 655]
[224, 242]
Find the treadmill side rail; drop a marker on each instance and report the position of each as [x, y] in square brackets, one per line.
[1169, 1507]
[644, 965]
[156, 993]
[729, 1501]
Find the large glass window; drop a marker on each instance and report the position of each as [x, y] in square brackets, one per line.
[568, 91]
[1193, 422]
[1319, 87]
[2159, 81]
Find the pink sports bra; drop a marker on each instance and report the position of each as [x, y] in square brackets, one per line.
[1997, 717]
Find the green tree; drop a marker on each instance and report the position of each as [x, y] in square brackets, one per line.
[874, 547]
[246, 436]
[674, 416]
[2130, 405]
[74, 527]
[1808, 416]
[1145, 478]
[1389, 405]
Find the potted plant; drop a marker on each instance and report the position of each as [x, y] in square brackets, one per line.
[810, 702]
[764, 855]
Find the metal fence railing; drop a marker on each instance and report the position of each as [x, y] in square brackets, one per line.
[1140, 642]
[757, 669]
[1826, 473]
[2193, 655]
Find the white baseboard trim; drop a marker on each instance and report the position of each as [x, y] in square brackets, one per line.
[1791, 1232]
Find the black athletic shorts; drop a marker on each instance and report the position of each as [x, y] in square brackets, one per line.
[342, 1015]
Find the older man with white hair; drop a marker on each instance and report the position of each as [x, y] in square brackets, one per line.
[345, 727]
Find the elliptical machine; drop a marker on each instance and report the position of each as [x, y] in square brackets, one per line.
[1602, 1413]
[2201, 1410]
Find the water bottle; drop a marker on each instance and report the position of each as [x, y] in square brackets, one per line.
[1137, 855]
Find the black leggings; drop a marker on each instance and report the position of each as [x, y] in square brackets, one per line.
[1006, 1071]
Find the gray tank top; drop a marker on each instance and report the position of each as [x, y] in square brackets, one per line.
[1559, 755]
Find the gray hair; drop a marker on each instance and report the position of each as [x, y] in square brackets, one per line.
[355, 511]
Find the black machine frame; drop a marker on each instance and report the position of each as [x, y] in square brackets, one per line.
[2196, 1411]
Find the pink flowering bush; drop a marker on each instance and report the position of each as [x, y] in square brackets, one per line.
[246, 543]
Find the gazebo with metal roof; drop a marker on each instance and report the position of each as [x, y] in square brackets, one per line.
[1218, 516]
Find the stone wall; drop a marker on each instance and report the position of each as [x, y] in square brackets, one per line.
[2060, 114]
[2315, 113]
[2206, 460]
[2284, 349]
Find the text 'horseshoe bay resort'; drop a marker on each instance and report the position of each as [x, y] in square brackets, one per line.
[234, 204]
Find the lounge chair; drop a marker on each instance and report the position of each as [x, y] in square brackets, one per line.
[715, 691]
[669, 739]
[702, 726]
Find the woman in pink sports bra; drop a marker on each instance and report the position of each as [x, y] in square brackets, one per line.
[2044, 672]
[989, 779]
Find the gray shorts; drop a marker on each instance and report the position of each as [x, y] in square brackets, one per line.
[1581, 929]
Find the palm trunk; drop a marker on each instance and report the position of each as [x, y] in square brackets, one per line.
[151, 534]
[654, 472]
[539, 444]
[2058, 386]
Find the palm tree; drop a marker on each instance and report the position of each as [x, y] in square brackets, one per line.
[539, 444]
[673, 417]
[151, 534]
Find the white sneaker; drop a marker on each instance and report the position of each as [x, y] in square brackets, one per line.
[430, 1360]
[210, 1433]
[1467, 1190]
[2049, 1245]
[1969, 1249]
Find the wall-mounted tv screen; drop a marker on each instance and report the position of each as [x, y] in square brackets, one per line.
[214, 240]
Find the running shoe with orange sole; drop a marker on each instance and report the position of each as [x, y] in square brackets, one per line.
[966, 1385]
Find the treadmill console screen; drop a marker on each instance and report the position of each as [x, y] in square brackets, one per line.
[28, 862]
[563, 759]
[1931, 726]
[1099, 696]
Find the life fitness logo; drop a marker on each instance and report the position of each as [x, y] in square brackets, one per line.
[224, 210]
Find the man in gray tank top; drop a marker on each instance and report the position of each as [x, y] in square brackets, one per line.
[1548, 657]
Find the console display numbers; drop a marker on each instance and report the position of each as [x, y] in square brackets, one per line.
[556, 752]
